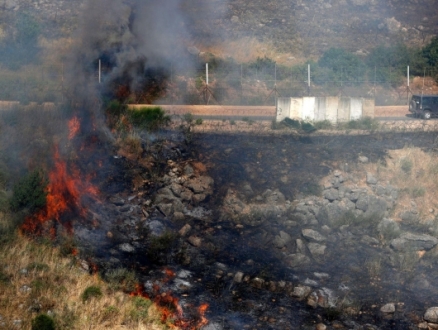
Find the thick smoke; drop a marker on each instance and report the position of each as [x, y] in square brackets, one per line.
[137, 43]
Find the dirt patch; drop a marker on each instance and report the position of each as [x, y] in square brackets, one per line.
[391, 111]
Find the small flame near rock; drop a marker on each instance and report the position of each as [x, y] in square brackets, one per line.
[171, 311]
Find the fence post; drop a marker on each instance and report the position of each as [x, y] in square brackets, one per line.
[308, 79]
[407, 82]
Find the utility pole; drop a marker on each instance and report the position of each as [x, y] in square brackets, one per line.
[100, 70]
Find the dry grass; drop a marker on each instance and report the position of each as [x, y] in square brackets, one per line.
[56, 285]
[248, 49]
[415, 173]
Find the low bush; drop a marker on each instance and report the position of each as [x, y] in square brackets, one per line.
[43, 322]
[91, 292]
[292, 123]
[29, 192]
[406, 165]
[307, 127]
[121, 279]
[365, 123]
[323, 124]
[151, 119]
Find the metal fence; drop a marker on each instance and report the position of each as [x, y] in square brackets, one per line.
[238, 84]
[241, 85]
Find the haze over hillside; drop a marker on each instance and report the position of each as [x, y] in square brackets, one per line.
[309, 27]
[287, 30]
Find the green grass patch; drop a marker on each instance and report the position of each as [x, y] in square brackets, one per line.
[365, 123]
[91, 292]
[149, 118]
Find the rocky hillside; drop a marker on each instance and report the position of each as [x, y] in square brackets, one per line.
[309, 27]
[286, 30]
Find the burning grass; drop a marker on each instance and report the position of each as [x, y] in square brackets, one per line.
[35, 279]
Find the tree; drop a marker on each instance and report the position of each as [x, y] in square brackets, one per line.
[341, 66]
[430, 53]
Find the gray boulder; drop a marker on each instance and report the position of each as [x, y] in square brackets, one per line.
[388, 228]
[297, 260]
[202, 184]
[388, 308]
[301, 291]
[413, 242]
[329, 214]
[371, 179]
[372, 206]
[431, 315]
[313, 235]
[273, 197]
[317, 249]
[331, 194]
[282, 240]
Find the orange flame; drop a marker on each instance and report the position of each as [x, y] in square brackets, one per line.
[202, 309]
[73, 127]
[64, 193]
[171, 311]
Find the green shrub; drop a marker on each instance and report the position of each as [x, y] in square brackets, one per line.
[406, 165]
[365, 123]
[29, 192]
[115, 108]
[307, 127]
[110, 312]
[160, 246]
[91, 292]
[248, 120]
[43, 322]
[323, 124]
[199, 121]
[141, 308]
[292, 123]
[4, 279]
[150, 119]
[40, 285]
[121, 279]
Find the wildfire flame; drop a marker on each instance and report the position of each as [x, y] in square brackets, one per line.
[73, 127]
[64, 193]
[171, 311]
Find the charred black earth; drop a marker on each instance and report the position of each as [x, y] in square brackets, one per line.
[241, 223]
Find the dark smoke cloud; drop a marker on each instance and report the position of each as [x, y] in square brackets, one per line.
[136, 41]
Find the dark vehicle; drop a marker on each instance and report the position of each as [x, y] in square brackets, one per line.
[425, 106]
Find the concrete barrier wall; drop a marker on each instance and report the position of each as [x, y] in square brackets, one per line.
[331, 113]
[283, 108]
[309, 108]
[334, 109]
[296, 108]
